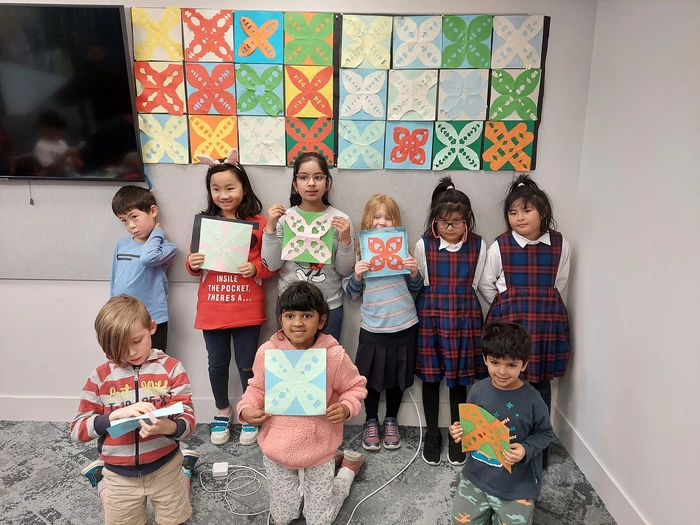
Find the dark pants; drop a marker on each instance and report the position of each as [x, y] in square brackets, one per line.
[431, 403]
[159, 339]
[545, 390]
[393, 403]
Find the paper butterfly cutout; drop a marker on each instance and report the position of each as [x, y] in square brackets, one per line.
[210, 89]
[164, 139]
[208, 35]
[226, 245]
[307, 239]
[366, 41]
[159, 87]
[360, 149]
[417, 46]
[261, 140]
[362, 97]
[309, 91]
[295, 382]
[517, 41]
[459, 148]
[483, 433]
[412, 95]
[462, 94]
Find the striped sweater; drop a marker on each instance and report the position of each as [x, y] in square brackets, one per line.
[160, 380]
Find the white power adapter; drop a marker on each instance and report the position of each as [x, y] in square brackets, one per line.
[220, 470]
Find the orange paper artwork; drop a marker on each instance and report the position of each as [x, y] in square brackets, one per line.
[481, 432]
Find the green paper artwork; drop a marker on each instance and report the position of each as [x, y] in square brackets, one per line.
[467, 41]
[259, 89]
[514, 94]
[457, 145]
[308, 39]
[307, 237]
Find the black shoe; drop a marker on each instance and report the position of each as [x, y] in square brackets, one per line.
[545, 458]
[431, 447]
[455, 456]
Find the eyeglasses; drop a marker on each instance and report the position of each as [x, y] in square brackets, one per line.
[304, 179]
[457, 225]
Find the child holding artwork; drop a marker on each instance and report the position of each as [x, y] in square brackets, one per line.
[230, 306]
[141, 260]
[386, 354]
[137, 379]
[486, 489]
[451, 258]
[300, 452]
[311, 186]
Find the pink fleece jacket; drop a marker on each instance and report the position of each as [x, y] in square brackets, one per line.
[305, 441]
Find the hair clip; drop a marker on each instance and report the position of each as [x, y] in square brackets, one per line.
[521, 184]
[231, 158]
[450, 187]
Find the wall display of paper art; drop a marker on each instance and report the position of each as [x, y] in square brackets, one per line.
[385, 250]
[307, 237]
[466, 41]
[295, 382]
[412, 95]
[462, 94]
[213, 135]
[417, 42]
[259, 89]
[164, 139]
[308, 39]
[409, 145]
[308, 91]
[363, 94]
[225, 243]
[514, 94]
[309, 134]
[366, 42]
[484, 434]
[517, 41]
[208, 35]
[157, 33]
[508, 145]
[457, 145]
[361, 144]
[261, 141]
[259, 37]
[160, 87]
[211, 89]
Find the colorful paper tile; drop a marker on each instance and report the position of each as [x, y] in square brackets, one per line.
[457, 145]
[212, 135]
[508, 145]
[295, 382]
[308, 91]
[363, 94]
[164, 139]
[259, 89]
[308, 39]
[484, 435]
[307, 237]
[259, 37]
[160, 87]
[462, 94]
[261, 141]
[514, 94]
[385, 250]
[225, 243]
[157, 33]
[208, 35]
[517, 41]
[417, 42]
[309, 134]
[466, 41]
[409, 145]
[366, 42]
[412, 95]
[361, 144]
[211, 89]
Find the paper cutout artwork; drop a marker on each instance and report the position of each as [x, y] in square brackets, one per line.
[462, 94]
[517, 41]
[514, 94]
[160, 87]
[208, 35]
[361, 144]
[157, 33]
[409, 145]
[164, 139]
[466, 41]
[128, 424]
[412, 95]
[508, 145]
[259, 37]
[457, 145]
[210, 89]
[363, 94]
[308, 91]
[212, 135]
[261, 141]
[259, 90]
[385, 250]
[308, 134]
[295, 382]
[366, 42]
[417, 42]
[308, 39]
[308, 237]
[483, 433]
[225, 243]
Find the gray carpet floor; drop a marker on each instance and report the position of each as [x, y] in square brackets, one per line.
[40, 483]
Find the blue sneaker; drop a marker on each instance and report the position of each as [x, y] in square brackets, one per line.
[189, 459]
[249, 435]
[93, 472]
[220, 432]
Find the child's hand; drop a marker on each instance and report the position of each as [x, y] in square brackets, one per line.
[342, 226]
[456, 431]
[516, 454]
[410, 263]
[273, 216]
[248, 269]
[196, 261]
[135, 410]
[337, 413]
[360, 268]
[157, 426]
[254, 416]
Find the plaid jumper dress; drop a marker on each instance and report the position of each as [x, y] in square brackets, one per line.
[450, 317]
[532, 300]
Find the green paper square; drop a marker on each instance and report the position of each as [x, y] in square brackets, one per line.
[308, 38]
[457, 145]
[515, 94]
[296, 246]
[466, 41]
[310, 134]
[508, 145]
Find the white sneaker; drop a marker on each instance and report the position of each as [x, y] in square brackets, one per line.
[220, 432]
[249, 435]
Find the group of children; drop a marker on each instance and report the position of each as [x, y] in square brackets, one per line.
[426, 323]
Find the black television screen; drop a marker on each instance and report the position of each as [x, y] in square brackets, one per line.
[66, 102]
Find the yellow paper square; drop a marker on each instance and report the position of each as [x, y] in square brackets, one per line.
[308, 91]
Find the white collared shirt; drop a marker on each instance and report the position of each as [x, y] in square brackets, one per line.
[419, 255]
[493, 281]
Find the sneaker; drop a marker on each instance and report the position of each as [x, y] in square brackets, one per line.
[338, 456]
[432, 444]
[370, 435]
[93, 472]
[220, 432]
[392, 437]
[249, 435]
[189, 459]
[353, 460]
[455, 456]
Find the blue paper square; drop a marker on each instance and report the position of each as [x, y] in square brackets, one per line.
[363, 94]
[385, 250]
[417, 42]
[409, 145]
[361, 144]
[295, 382]
[259, 37]
[517, 41]
[164, 139]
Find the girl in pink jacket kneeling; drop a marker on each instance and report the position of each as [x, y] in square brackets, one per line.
[295, 444]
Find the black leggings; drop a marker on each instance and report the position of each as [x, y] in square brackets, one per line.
[431, 403]
[393, 403]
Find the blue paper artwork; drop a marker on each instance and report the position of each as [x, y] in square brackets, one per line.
[122, 426]
[361, 145]
[385, 250]
[517, 41]
[295, 382]
[259, 37]
[417, 42]
[409, 145]
[462, 94]
[363, 94]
